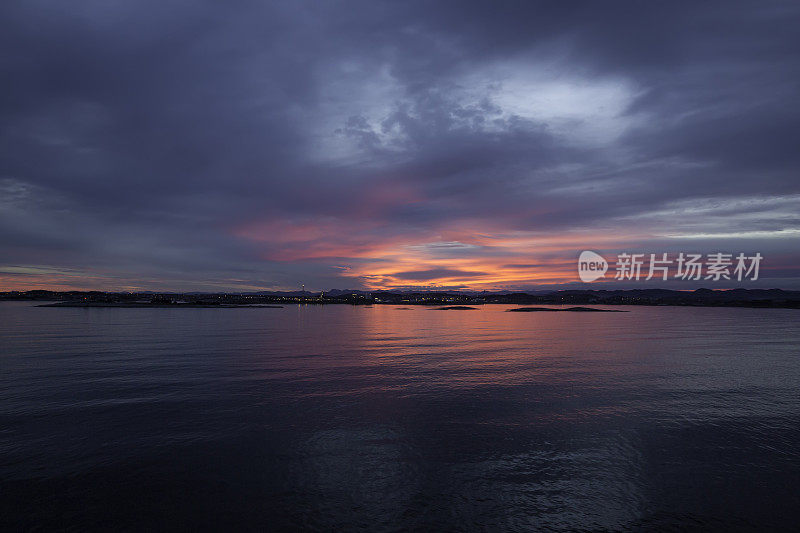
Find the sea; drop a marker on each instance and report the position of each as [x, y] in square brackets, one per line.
[390, 418]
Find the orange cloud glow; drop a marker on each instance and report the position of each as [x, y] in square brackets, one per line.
[466, 253]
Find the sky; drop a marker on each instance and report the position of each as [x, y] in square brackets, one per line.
[242, 146]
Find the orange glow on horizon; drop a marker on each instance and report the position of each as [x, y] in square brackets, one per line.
[463, 254]
[382, 257]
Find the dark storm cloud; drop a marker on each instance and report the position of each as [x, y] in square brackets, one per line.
[141, 138]
[436, 273]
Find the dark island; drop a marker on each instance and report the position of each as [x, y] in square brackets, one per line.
[569, 309]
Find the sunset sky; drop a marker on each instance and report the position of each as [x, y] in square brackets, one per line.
[176, 145]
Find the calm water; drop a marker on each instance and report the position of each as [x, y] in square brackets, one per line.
[384, 419]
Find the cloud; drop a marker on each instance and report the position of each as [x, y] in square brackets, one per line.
[190, 144]
[436, 274]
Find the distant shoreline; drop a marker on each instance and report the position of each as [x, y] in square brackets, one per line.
[755, 298]
[520, 309]
[159, 305]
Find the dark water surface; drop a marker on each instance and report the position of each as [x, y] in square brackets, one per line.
[343, 418]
